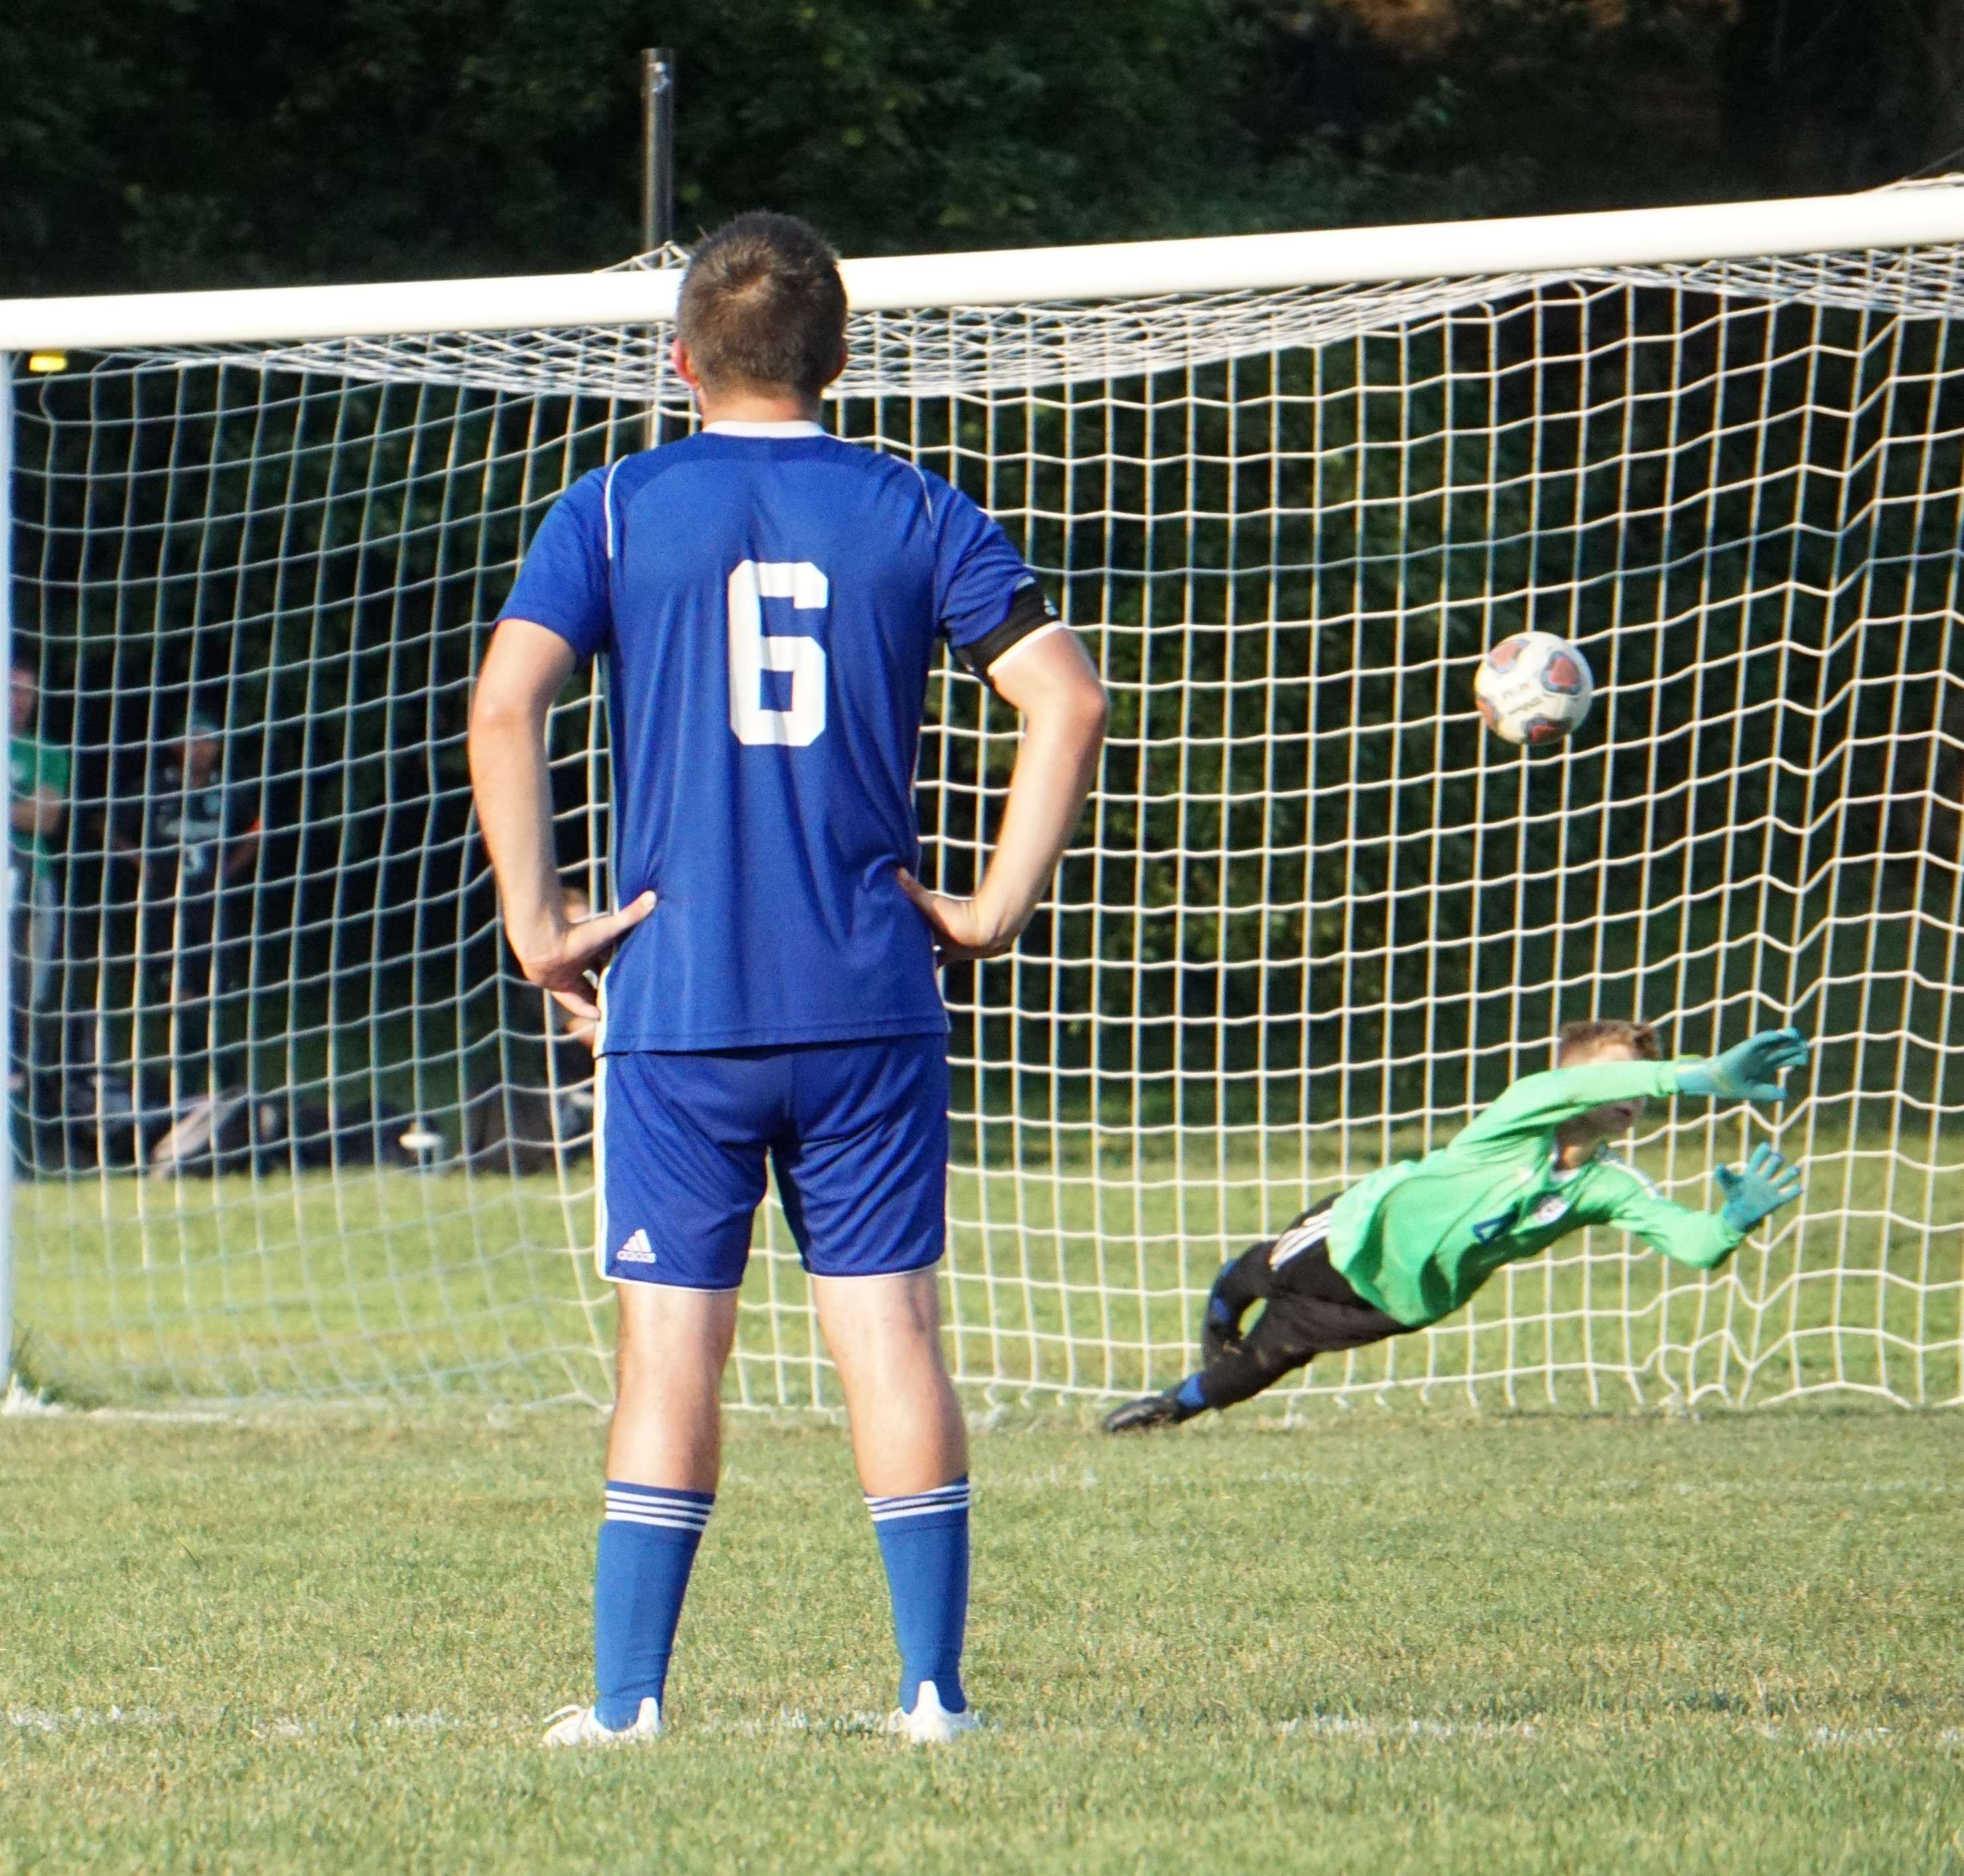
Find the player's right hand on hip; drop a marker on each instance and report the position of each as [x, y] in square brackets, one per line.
[567, 968]
[1758, 1189]
[1747, 1070]
[963, 929]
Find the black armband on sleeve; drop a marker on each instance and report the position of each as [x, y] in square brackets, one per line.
[1029, 611]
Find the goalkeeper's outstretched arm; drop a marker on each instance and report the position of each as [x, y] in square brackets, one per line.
[1704, 1240]
[1537, 1102]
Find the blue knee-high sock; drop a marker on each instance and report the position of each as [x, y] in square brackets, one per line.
[924, 1543]
[647, 1545]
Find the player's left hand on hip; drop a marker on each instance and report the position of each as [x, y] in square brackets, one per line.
[1747, 1071]
[1758, 1189]
[567, 970]
[963, 929]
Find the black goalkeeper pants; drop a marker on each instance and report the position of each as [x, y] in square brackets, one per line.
[1309, 1311]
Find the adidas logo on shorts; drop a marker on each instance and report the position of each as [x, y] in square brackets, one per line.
[636, 1250]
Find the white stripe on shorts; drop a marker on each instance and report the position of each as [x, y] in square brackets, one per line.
[1292, 1243]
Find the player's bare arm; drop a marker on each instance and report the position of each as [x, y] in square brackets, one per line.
[524, 669]
[1052, 683]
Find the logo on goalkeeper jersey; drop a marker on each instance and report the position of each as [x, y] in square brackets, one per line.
[1550, 1209]
[636, 1250]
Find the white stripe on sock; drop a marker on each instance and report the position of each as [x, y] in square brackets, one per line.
[664, 1510]
[940, 1493]
[694, 1514]
[656, 1519]
[953, 1498]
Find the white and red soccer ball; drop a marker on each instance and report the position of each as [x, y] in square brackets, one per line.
[1533, 688]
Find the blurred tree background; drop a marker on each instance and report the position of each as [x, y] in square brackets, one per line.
[185, 143]
[191, 143]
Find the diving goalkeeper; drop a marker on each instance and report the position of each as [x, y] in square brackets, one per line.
[1412, 1242]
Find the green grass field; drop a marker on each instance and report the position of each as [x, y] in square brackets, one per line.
[1386, 1642]
[1077, 1265]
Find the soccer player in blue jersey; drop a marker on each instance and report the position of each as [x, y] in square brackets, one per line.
[767, 602]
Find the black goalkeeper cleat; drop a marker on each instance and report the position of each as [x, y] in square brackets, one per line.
[1141, 1416]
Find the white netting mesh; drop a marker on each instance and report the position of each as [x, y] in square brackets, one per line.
[1313, 916]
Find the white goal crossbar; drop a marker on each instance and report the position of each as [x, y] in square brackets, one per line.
[1825, 224]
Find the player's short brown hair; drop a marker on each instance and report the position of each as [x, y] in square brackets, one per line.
[762, 307]
[1640, 1038]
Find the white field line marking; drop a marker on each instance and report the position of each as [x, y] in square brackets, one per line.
[48, 1720]
[21, 1403]
[1332, 1726]
[794, 1723]
[1345, 1725]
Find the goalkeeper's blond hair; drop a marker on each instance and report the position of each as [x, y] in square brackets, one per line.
[1586, 1037]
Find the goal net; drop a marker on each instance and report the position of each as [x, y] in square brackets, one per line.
[285, 1124]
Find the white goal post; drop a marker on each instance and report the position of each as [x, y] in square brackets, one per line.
[284, 1125]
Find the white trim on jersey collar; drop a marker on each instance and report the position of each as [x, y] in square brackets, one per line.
[788, 426]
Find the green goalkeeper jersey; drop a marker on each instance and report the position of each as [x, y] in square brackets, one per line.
[1418, 1238]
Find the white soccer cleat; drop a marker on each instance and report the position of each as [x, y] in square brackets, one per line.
[577, 1726]
[931, 1723]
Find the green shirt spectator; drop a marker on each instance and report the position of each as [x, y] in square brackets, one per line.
[38, 772]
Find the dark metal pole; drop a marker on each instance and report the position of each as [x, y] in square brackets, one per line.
[657, 149]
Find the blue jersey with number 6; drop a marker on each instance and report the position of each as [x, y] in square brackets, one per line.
[767, 606]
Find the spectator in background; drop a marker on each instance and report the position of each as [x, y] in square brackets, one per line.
[196, 835]
[38, 787]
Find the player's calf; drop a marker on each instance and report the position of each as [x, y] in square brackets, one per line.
[910, 1442]
[1221, 1320]
[1309, 1310]
[1239, 1375]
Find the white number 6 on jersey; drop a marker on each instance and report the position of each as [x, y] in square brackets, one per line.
[752, 652]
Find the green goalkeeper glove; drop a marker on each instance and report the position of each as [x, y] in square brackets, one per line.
[1758, 1189]
[1744, 1072]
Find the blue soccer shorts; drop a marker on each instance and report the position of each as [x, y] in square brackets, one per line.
[857, 1133]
